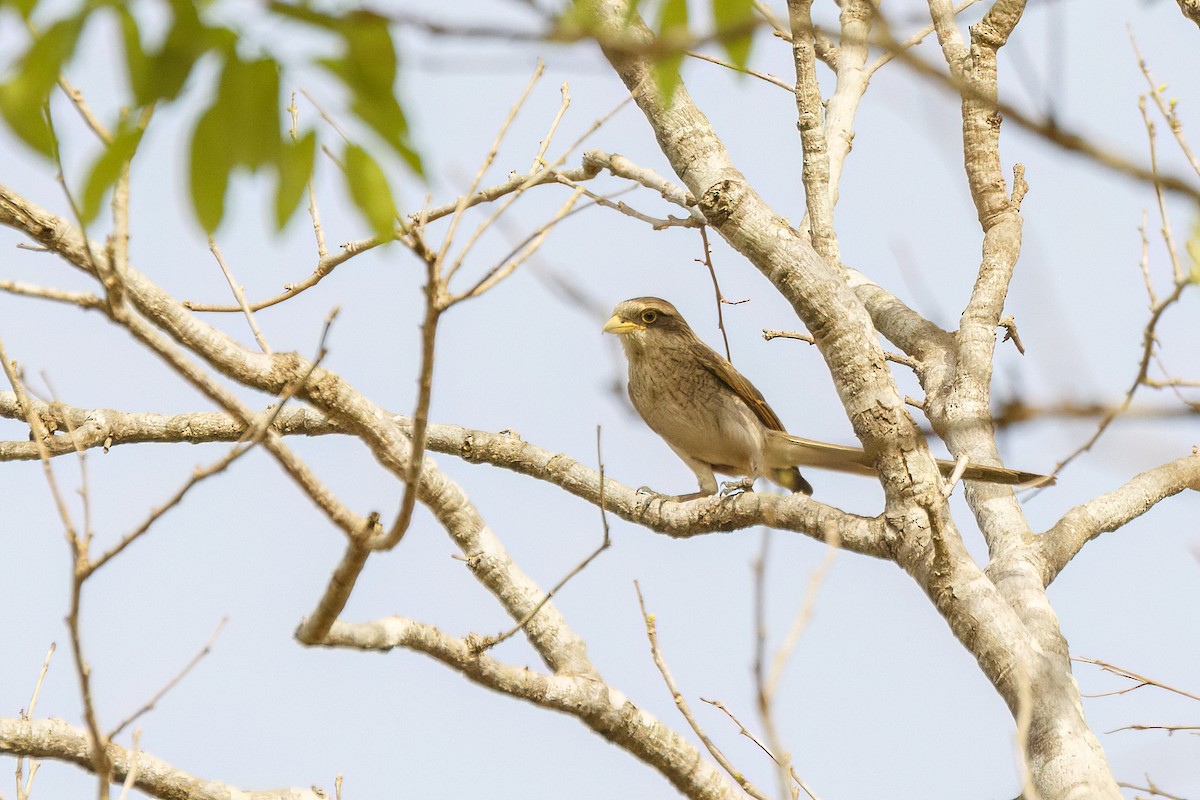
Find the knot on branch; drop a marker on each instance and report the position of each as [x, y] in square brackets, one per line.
[720, 200]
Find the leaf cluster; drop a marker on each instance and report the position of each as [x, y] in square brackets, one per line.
[244, 126]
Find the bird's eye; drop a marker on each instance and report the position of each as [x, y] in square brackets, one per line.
[649, 317]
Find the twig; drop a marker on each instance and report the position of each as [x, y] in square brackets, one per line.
[773, 333]
[915, 39]
[1010, 333]
[329, 120]
[712, 272]
[506, 268]
[98, 266]
[25, 786]
[490, 642]
[803, 616]
[38, 434]
[81, 299]
[1133, 676]
[682, 704]
[1165, 219]
[132, 775]
[80, 453]
[239, 295]
[1157, 307]
[764, 76]
[539, 161]
[483, 168]
[745, 732]
[1167, 110]
[171, 684]
[654, 222]
[1167, 728]
[1152, 789]
[313, 211]
[435, 304]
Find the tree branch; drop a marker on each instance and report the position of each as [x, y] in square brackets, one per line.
[585, 697]
[57, 740]
[1111, 511]
[108, 428]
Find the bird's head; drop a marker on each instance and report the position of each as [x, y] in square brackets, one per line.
[643, 320]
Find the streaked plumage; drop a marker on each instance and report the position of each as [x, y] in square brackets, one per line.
[715, 420]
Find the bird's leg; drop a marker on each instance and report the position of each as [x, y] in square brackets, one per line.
[704, 476]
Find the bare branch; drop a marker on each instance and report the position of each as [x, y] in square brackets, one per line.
[239, 295]
[171, 684]
[762, 76]
[585, 697]
[1151, 788]
[81, 299]
[772, 333]
[1111, 511]
[1133, 676]
[855, 533]
[54, 739]
[578, 568]
[810, 121]
[651, 624]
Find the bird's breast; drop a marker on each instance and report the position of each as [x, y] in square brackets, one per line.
[697, 414]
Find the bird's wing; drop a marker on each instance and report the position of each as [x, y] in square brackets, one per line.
[728, 374]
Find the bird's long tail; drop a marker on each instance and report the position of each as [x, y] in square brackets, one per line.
[786, 450]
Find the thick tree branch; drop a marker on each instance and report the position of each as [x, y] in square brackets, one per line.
[108, 428]
[585, 697]
[1111, 511]
[57, 740]
[1191, 10]
[810, 121]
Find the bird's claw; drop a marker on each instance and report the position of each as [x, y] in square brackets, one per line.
[651, 494]
[734, 488]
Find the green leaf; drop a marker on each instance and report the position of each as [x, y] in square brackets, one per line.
[370, 192]
[107, 168]
[672, 16]
[24, 7]
[137, 63]
[665, 71]
[307, 15]
[577, 20]
[248, 98]
[211, 162]
[734, 15]
[161, 75]
[367, 67]
[24, 96]
[295, 170]
[240, 128]
[672, 30]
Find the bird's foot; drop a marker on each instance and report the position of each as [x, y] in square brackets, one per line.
[733, 488]
[674, 498]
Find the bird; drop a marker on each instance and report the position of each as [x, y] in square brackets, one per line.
[717, 421]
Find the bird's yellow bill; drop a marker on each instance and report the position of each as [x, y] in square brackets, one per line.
[619, 326]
